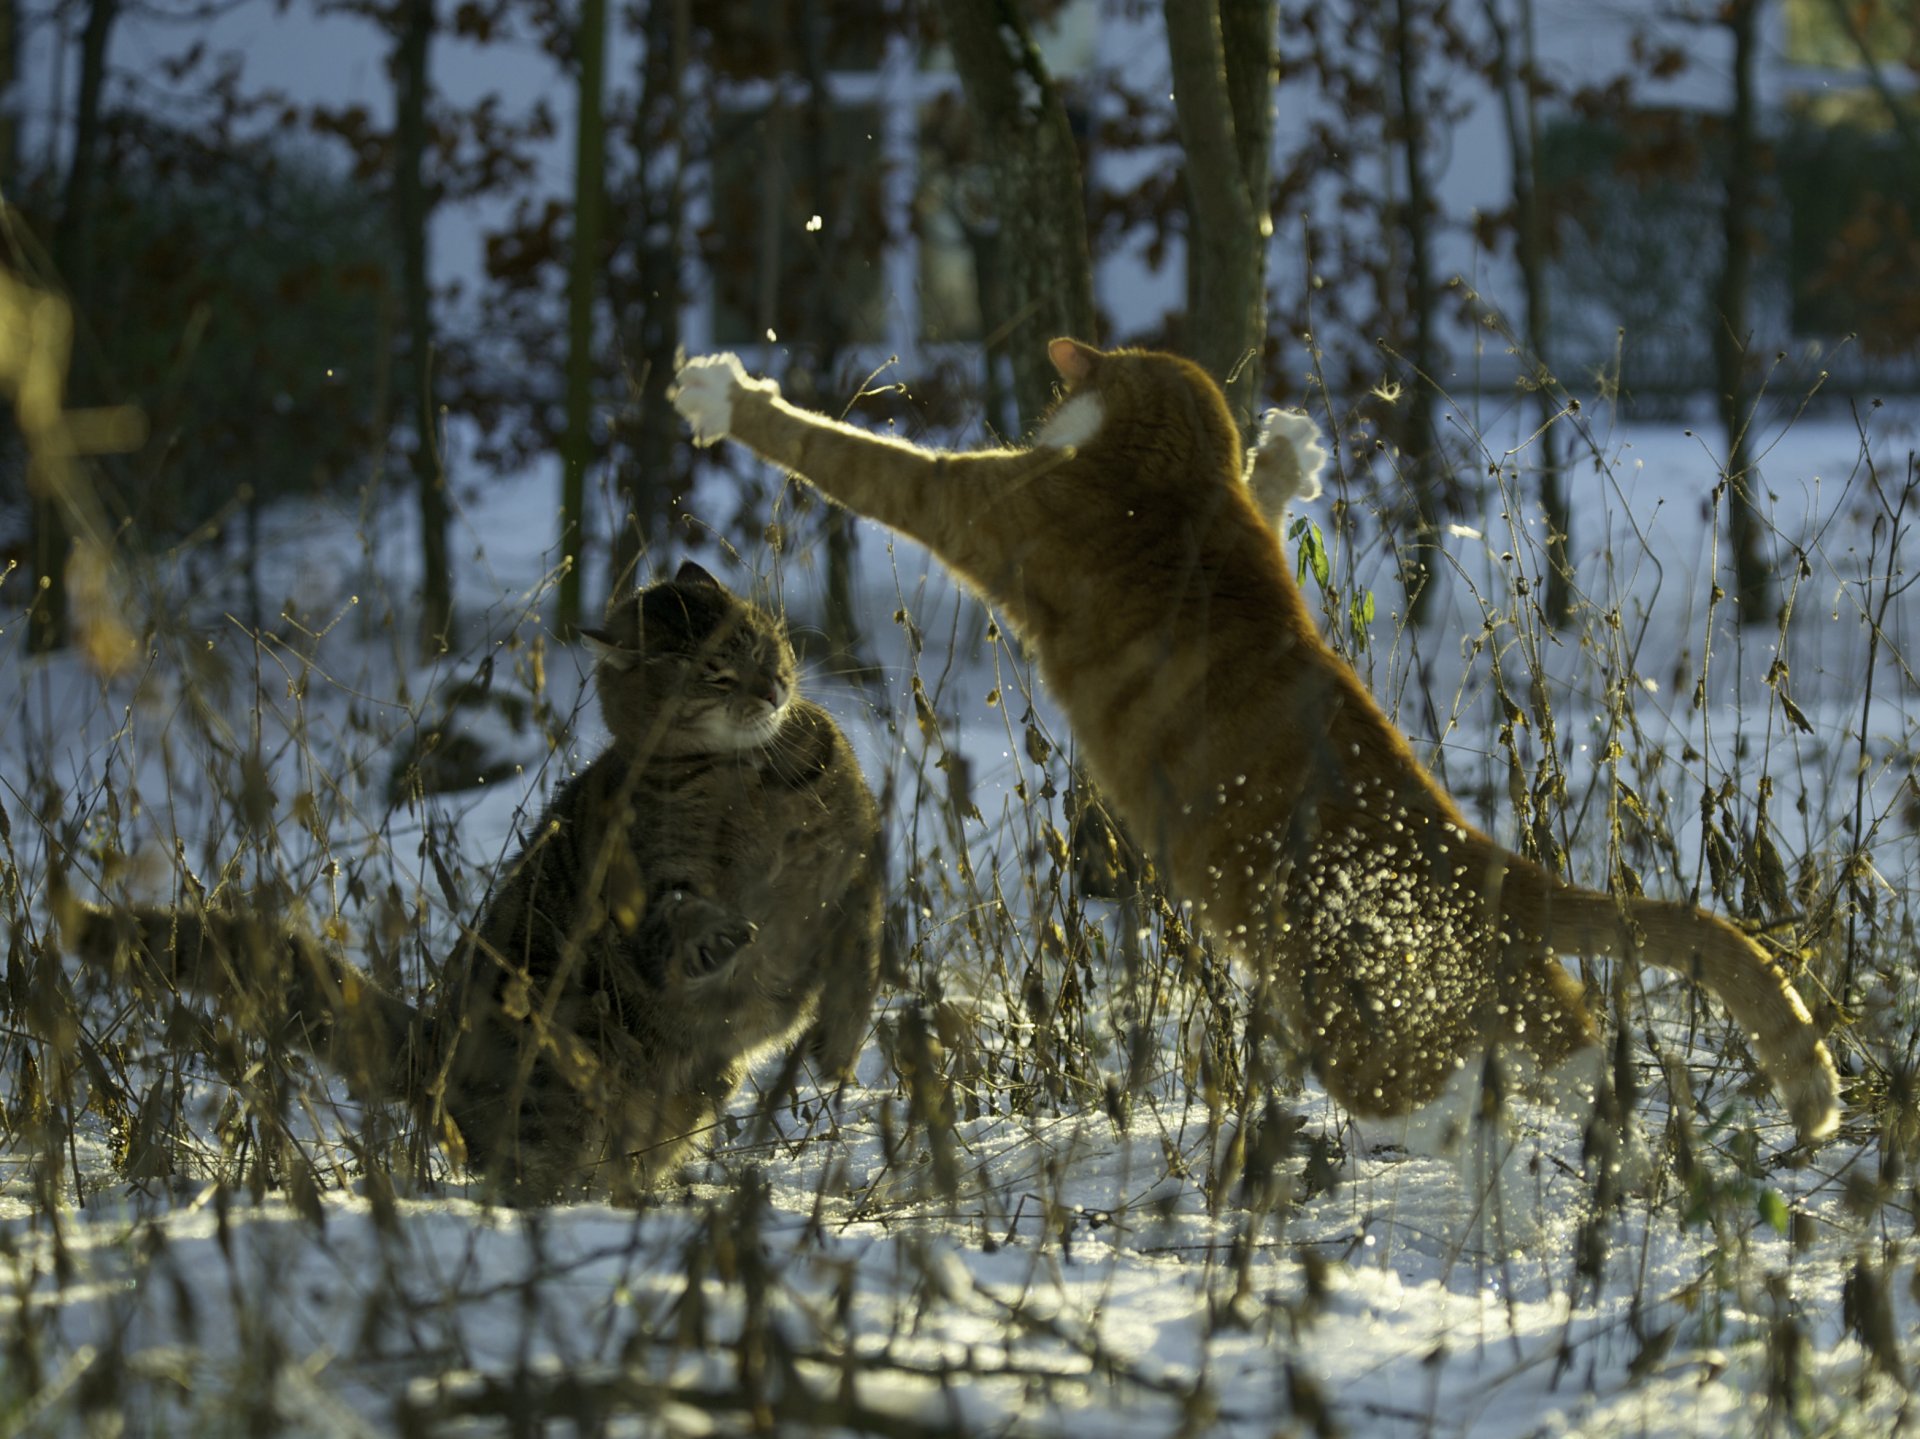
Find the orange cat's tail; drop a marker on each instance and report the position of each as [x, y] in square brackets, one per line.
[1706, 948]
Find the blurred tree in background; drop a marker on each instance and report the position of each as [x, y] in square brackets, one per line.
[250, 290]
[413, 23]
[920, 195]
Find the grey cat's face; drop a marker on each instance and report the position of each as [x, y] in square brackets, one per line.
[688, 667]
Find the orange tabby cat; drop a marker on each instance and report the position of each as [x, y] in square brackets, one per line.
[1127, 547]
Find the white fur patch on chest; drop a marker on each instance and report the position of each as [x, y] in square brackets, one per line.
[1073, 424]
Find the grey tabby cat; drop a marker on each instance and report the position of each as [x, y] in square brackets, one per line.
[706, 891]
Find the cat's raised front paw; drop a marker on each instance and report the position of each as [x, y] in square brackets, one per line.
[704, 392]
[1289, 438]
[695, 938]
[1286, 462]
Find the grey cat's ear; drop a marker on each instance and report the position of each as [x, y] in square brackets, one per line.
[1074, 361]
[610, 651]
[691, 574]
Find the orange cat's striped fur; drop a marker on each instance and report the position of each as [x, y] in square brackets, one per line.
[1127, 548]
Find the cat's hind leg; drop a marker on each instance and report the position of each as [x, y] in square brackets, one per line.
[1495, 1149]
[849, 977]
[1518, 1135]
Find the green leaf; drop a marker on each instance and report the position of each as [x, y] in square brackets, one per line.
[1630, 800]
[1312, 554]
[1360, 620]
[1773, 1209]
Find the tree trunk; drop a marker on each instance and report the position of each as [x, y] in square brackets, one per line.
[1046, 271]
[1222, 61]
[589, 178]
[656, 465]
[1419, 438]
[411, 212]
[47, 620]
[826, 329]
[1753, 580]
[1899, 111]
[1522, 116]
[9, 116]
[1036, 169]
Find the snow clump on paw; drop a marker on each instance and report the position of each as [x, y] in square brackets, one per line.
[1292, 438]
[1286, 463]
[703, 394]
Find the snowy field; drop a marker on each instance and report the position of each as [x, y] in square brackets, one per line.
[1047, 1205]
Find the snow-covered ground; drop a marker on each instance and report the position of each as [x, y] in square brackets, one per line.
[1065, 1243]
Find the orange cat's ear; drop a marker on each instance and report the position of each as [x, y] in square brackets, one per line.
[1073, 360]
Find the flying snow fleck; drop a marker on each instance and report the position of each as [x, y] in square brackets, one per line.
[814, 224]
[771, 337]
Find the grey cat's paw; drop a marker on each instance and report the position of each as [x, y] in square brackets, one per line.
[694, 937]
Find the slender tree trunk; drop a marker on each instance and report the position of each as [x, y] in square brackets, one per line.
[9, 75]
[1753, 579]
[1043, 223]
[589, 178]
[655, 471]
[250, 538]
[411, 212]
[47, 621]
[826, 330]
[73, 235]
[1420, 446]
[775, 184]
[12, 451]
[985, 244]
[1222, 61]
[1899, 111]
[1522, 116]
[1045, 279]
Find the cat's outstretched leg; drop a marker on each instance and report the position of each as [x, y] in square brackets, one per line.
[933, 496]
[1285, 463]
